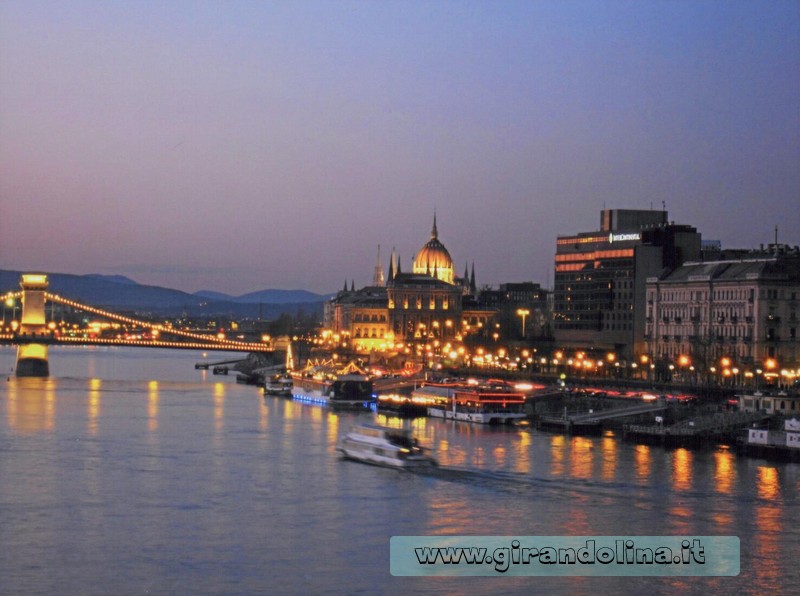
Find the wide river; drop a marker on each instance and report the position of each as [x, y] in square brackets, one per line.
[129, 472]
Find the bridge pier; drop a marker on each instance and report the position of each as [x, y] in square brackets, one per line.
[32, 358]
[32, 361]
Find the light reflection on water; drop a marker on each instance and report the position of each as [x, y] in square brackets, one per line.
[31, 404]
[609, 455]
[642, 458]
[95, 387]
[724, 471]
[557, 443]
[142, 480]
[582, 453]
[152, 406]
[682, 469]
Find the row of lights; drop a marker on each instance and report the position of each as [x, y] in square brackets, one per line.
[579, 360]
[155, 329]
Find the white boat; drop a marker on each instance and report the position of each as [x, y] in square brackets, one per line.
[383, 446]
[345, 391]
[478, 404]
[280, 385]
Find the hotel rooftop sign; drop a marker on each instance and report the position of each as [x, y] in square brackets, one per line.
[624, 237]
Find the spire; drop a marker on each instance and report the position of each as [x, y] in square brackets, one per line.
[391, 266]
[434, 231]
[352, 285]
[344, 289]
[473, 288]
[377, 277]
[399, 271]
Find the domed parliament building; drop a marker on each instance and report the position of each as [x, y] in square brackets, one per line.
[429, 302]
[434, 260]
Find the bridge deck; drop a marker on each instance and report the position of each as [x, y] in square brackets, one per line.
[50, 340]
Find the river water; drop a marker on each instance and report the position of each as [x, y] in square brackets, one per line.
[129, 472]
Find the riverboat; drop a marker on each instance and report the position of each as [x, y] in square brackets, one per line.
[279, 385]
[383, 446]
[404, 406]
[344, 391]
[480, 404]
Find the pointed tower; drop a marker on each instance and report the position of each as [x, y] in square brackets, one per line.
[390, 278]
[398, 271]
[377, 277]
[472, 287]
[352, 285]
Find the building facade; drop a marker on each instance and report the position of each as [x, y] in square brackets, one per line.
[600, 278]
[427, 303]
[423, 306]
[522, 309]
[735, 314]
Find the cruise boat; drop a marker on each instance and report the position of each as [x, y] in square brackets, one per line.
[383, 446]
[280, 385]
[404, 406]
[481, 404]
[344, 391]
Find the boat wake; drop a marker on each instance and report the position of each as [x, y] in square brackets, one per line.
[556, 488]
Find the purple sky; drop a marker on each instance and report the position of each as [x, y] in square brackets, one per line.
[236, 146]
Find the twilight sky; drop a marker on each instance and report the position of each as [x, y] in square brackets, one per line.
[243, 145]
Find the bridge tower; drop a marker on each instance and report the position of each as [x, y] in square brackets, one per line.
[31, 356]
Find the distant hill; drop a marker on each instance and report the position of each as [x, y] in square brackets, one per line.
[266, 297]
[119, 279]
[211, 295]
[121, 293]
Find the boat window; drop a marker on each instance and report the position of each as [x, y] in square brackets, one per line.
[400, 440]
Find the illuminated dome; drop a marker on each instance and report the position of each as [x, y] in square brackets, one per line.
[433, 258]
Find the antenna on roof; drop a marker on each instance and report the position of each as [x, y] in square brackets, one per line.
[776, 235]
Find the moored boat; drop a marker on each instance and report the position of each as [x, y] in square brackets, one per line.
[481, 404]
[344, 391]
[279, 385]
[383, 446]
[405, 406]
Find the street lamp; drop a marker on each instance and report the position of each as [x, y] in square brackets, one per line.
[523, 312]
[770, 364]
[12, 304]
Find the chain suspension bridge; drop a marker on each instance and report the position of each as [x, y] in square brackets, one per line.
[33, 333]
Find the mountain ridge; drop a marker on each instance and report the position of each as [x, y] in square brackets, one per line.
[119, 292]
[269, 296]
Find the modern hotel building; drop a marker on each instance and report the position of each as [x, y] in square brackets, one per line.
[600, 278]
